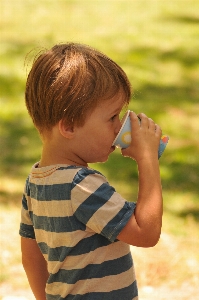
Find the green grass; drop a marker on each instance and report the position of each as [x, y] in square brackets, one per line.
[156, 42]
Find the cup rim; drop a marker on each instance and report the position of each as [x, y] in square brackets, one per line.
[123, 123]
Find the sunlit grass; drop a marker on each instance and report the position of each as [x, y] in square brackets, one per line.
[156, 46]
[156, 42]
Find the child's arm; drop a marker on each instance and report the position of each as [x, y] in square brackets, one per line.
[35, 267]
[144, 227]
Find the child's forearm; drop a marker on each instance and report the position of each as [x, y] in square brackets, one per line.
[35, 267]
[144, 227]
[37, 278]
[149, 209]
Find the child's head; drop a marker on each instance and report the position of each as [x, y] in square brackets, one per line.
[68, 82]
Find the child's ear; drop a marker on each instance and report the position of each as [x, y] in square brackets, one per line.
[66, 131]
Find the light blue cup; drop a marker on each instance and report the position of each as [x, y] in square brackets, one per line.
[123, 138]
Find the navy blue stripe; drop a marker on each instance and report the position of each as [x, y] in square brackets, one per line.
[90, 244]
[107, 268]
[27, 190]
[50, 192]
[96, 200]
[27, 231]
[54, 254]
[84, 246]
[57, 224]
[127, 293]
[24, 202]
[82, 174]
[67, 168]
[44, 248]
[114, 226]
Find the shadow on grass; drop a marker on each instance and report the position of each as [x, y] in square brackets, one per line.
[185, 19]
[179, 176]
[194, 213]
[10, 86]
[153, 56]
[20, 146]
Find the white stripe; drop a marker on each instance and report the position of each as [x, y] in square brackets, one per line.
[106, 213]
[48, 176]
[96, 285]
[58, 239]
[53, 208]
[87, 187]
[25, 217]
[98, 256]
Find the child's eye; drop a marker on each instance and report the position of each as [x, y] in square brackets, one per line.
[113, 117]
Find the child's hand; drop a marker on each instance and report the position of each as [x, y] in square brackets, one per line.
[145, 138]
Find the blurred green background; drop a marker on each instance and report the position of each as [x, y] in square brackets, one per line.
[157, 44]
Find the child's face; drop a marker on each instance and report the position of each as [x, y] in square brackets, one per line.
[94, 139]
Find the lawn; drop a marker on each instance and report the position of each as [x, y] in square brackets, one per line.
[156, 42]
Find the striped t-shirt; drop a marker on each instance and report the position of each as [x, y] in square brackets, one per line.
[75, 217]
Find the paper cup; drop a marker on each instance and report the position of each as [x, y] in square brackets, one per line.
[123, 138]
[163, 143]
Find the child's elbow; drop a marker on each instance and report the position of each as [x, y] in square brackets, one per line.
[151, 241]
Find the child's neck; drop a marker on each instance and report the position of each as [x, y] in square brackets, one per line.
[58, 150]
[58, 155]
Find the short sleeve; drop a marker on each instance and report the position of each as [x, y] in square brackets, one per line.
[26, 226]
[96, 204]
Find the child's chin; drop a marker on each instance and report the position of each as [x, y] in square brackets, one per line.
[99, 160]
[104, 160]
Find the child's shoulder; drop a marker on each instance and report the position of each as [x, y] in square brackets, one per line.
[61, 173]
[88, 174]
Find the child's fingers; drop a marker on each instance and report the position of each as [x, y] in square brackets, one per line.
[152, 124]
[158, 130]
[149, 123]
[141, 120]
[133, 116]
[144, 120]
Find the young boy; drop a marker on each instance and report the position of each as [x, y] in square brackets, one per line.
[75, 228]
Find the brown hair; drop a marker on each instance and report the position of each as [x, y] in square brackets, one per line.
[68, 81]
